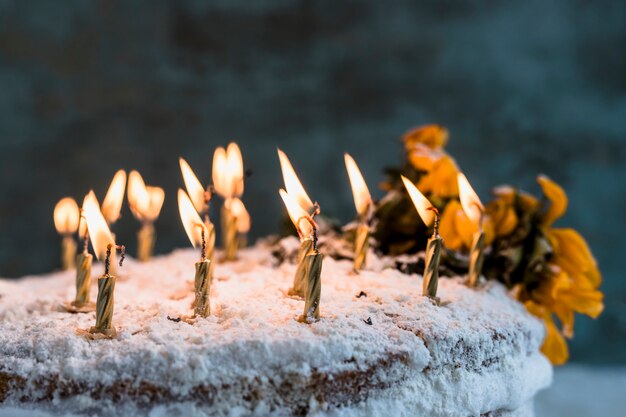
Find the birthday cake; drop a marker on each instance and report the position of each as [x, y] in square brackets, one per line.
[380, 348]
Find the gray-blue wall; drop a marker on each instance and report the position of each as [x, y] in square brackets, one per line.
[87, 87]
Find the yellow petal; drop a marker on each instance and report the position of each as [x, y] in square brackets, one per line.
[566, 317]
[557, 197]
[433, 136]
[423, 158]
[441, 181]
[456, 229]
[554, 345]
[584, 302]
[573, 254]
[502, 216]
[447, 226]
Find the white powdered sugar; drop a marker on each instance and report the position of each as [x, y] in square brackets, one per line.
[477, 352]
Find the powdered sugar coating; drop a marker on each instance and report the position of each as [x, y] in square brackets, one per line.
[475, 353]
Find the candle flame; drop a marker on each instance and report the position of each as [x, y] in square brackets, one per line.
[238, 210]
[191, 219]
[360, 192]
[194, 187]
[228, 171]
[112, 204]
[66, 216]
[99, 232]
[420, 202]
[292, 183]
[470, 202]
[296, 214]
[145, 202]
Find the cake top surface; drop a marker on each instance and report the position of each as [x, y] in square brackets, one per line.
[252, 330]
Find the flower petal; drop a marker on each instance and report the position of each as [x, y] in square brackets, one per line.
[557, 197]
[433, 136]
[554, 345]
[573, 254]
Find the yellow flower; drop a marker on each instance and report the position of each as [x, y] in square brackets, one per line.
[571, 278]
[503, 211]
[433, 136]
[457, 230]
[557, 197]
[424, 147]
[455, 227]
[441, 179]
[503, 217]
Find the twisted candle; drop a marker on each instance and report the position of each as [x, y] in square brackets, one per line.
[476, 258]
[361, 244]
[229, 234]
[433, 254]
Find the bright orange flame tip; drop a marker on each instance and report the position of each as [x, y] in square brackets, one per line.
[238, 209]
[470, 202]
[191, 219]
[228, 171]
[292, 183]
[66, 216]
[145, 202]
[112, 204]
[360, 192]
[194, 187]
[296, 213]
[420, 202]
[99, 232]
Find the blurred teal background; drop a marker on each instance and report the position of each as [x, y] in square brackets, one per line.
[87, 87]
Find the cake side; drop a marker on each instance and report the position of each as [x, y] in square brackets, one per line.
[254, 355]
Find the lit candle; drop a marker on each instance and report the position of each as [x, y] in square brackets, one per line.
[310, 265]
[196, 231]
[474, 210]
[200, 198]
[83, 264]
[103, 245]
[145, 203]
[364, 206]
[228, 183]
[304, 207]
[112, 204]
[430, 216]
[66, 219]
[242, 221]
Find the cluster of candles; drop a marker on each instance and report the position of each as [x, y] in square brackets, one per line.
[92, 223]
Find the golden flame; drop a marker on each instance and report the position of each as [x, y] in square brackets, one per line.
[470, 202]
[296, 214]
[238, 210]
[112, 204]
[292, 183]
[99, 232]
[228, 171]
[145, 202]
[360, 192]
[420, 202]
[66, 216]
[194, 187]
[191, 219]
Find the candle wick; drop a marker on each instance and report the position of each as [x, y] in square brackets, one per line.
[436, 225]
[107, 259]
[203, 254]
[122, 249]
